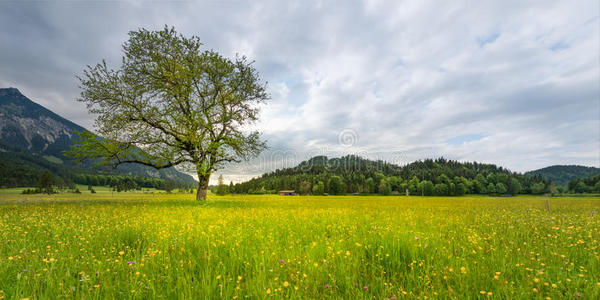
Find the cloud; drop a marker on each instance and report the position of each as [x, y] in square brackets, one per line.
[512, 83]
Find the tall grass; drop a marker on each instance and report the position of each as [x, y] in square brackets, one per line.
[169, 246]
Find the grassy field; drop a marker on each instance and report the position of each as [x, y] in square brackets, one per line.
[141, 245]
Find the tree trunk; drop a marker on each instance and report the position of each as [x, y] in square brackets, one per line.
[202, 187]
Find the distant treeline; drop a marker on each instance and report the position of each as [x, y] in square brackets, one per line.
[127, 182]
[353, 174]
[19, 169]
[586, 185]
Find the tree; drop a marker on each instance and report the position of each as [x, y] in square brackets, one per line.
[319, 188]
[440, 189]
[171, 104]
[426, 187]
[221, 187]
[45, 183]
[597, 187]
[538, 188]
[384, 187]
[370, 185]
[460, 189]
[501, 188]
[394, 182]
[581, 187]
[478, 187]
[491, 188]
[413, 186]
[336, 185]
[305, 188]
[515, 186]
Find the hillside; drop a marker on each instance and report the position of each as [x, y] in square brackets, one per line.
[563, 174]
[354, 174]
[33, 138]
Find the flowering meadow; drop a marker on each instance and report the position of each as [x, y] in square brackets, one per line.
[130, 246]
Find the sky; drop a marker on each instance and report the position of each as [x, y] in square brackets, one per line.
[514, 83]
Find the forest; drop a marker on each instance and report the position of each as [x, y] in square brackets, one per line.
[356, 175]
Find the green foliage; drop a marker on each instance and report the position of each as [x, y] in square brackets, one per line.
[426, 187]
[514, 187]
[319, 188]
[460, 189]
[384, 187]
[440, 189]
[585, 185]
[501, 188]
[45, 183]
[370, 185]
[491, 188]
[336, 185]
[305, 188]
[538, 188]
[221, 187]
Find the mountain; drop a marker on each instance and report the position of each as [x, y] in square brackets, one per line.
[33, 138]
[562, 174]
[354, 174]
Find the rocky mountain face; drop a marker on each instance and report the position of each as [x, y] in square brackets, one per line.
[29, 126]
[26, 126]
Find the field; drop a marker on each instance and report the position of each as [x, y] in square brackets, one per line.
[136, 245]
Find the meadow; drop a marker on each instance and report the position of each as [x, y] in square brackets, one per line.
[141, 245]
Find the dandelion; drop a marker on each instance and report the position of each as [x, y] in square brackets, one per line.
[10, 258]
[121, 252]
[268, 291]
[286, 284]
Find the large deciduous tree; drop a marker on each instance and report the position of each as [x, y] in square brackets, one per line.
[171, 103]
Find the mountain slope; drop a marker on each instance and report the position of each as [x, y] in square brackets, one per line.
[562, 174]
[30, 133]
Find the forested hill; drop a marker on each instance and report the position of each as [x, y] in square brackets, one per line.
[563, 174]
[32, 141]
[353, 174]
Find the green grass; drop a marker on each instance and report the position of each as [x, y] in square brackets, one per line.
[140, 245]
